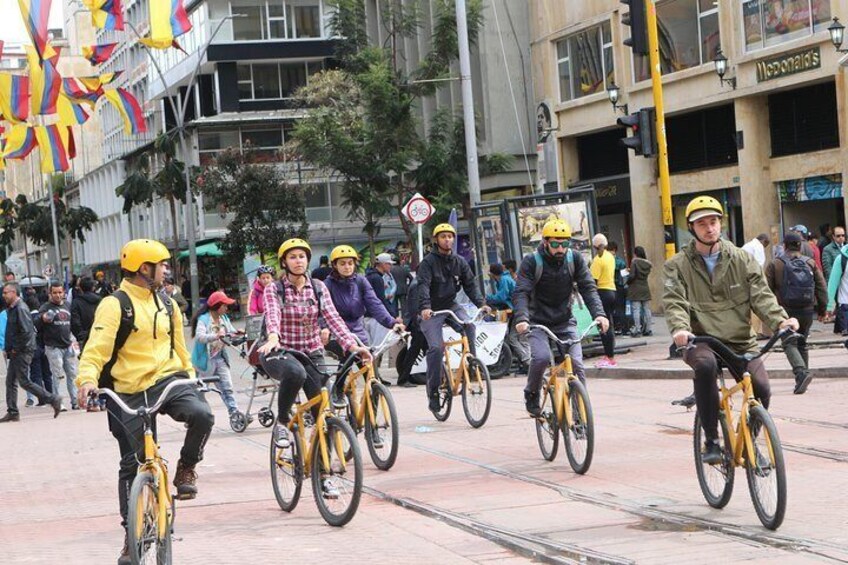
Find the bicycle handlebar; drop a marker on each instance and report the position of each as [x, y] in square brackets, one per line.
[156, 407]
[723, 351]
[564, 342]
[453, 315]
[391, 338]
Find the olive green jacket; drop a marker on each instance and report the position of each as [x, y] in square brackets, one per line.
[720, 307]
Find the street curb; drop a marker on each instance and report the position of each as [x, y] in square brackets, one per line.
[637, 374]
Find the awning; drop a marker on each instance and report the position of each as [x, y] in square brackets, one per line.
[210, 249]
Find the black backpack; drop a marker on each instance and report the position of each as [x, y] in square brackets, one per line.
[798, 288]
[127, 327]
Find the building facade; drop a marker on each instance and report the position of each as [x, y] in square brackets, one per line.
[773, 147]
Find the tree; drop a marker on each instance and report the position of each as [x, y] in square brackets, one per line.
[363, 123]
[265, 208]
[169, 184]
[137, 189]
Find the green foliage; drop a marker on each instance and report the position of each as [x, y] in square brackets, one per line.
[137, 189]
[265, 208]
[34, 220]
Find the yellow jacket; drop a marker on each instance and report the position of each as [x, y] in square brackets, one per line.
[603, 270]
[146, 356]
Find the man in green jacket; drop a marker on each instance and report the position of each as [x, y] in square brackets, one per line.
[710, 288]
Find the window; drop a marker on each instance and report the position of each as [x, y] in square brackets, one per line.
[803, 120]
[770, 22]
[584, 62]
[293, 76]
[213, 142]
[264, 144]
[266, 81]
[689, 36]
[272, 81]
[277, 19]
[702, 139]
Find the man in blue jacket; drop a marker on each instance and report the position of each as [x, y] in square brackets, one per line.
[502, 299]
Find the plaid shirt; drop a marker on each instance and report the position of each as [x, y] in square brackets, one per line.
[297, 325]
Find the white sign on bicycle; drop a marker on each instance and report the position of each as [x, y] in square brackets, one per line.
[490, 339]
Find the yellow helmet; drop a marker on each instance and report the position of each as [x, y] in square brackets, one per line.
[137, 252]
[443, 228]
[702, 207]
[556, 228]
[343, 252]
[294, 243]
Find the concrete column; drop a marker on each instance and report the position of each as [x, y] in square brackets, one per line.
[647, 220]
[760, 203]
[841, 108]
[569, 166]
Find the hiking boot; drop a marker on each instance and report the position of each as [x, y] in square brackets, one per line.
[29, 403]
[802, 381]
[57, 407]
[282, 438]
[328, 489]
[435, 403]
[185, 480]
[712, 452]
[124, 558]
[531, 403]
[687, 402]
[522, 369]
[11, 417]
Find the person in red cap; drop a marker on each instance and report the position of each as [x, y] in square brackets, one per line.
[209, 355]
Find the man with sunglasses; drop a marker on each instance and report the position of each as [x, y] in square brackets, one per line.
[546, 281]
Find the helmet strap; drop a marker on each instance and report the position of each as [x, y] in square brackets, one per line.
[701, 241]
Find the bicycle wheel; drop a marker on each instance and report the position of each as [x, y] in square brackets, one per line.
[266, 417]
[382, 433]
[716, 480]
[337, 488]
[445, 397]
[580, 436]
[287, 471]
[547, 427]
[477, 394]
[767, 473]
[147, 544]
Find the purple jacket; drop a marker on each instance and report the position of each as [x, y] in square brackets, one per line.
[354, 298]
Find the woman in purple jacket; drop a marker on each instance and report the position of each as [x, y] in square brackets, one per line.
[353, 296]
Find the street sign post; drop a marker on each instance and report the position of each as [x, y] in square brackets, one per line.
[418, 210]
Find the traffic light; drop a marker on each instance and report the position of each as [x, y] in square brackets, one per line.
[637, 20]
[643, 124]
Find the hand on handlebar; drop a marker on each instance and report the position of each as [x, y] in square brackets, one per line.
[272, 344]
[426, 314]
[682, 338]
[363, 352]
[790, 323]
[522, 327]
[603, 323]
[84, 391]
[325, 336]
[399, 327]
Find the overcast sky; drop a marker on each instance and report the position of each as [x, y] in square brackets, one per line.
[12, 24]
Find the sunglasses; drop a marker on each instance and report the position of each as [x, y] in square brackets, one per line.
[560, 244]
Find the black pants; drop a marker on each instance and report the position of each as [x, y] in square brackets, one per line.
[608, 338]
[292, 375]
[703, 361]
[40, 374]
[183, 405]
[17, 373]
[409, 355]
[796, 350]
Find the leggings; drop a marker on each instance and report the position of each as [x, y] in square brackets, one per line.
[608, 338]
[292, 375]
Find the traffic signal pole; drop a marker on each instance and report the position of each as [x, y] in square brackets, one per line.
[662, 146]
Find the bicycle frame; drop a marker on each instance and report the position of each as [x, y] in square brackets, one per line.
[460, 374]
[560, 378]
[739, 435]
[297, 425]
[154, 464]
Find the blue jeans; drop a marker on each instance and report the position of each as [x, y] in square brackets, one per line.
[217, 367]
[432, 330]
[63, 363]
[642, 323]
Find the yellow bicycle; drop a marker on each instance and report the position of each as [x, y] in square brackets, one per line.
[566, 408]
[751, 443]
[150, 519]
[470, 379]
[373, 409]
[331, 456]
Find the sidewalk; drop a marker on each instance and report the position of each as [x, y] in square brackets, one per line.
[650, 361]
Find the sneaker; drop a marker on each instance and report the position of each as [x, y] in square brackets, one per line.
[11, 417]
[57, 407]
[63, 408]
[435, 403]
[802, 381]
[328, 489]
[124, 558]
[712, 452]
[606, 363]
[687, 402]
[522, 369]
[376, 438]
[281, 436]
[531, 403]
[186, 481]
[337, 398]
[75, 406]
[29, 403]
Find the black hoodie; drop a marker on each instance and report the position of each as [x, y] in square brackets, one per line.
[82, 314]
[440, 277]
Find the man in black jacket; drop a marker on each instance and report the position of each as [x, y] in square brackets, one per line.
[440, 276]
[417, 342]
[543, 296]
[20, 345]
[82, 311]
[54, 325]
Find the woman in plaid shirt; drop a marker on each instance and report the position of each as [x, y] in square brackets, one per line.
[295, 328]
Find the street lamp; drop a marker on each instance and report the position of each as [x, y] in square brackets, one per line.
[837, 35]
[721, 68]
[612, 93]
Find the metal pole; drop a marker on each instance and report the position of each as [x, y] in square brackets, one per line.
[420, 244]
[662, 147]
[467, 103]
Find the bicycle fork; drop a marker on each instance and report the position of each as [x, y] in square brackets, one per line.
[160, 479]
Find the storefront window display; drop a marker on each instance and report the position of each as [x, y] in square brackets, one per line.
[811, 201]
[771, 22]
[531, 219]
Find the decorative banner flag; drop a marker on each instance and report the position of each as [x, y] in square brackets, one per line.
[96, 84]
[19, 142]
[106, 14]
[52, 141]
[45, 84]
[97, 54]
[70, 114]
[1, 48]
[128, 108]
[168, 20]
[14, 97]
[74, 91]
[35, 14]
